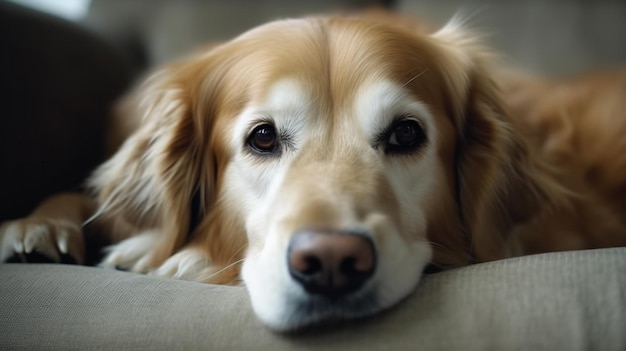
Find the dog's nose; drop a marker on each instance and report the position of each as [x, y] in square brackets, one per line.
[331, 263]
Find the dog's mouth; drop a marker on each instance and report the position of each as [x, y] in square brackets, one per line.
[313, 310]
[330, 277]
[287, 306]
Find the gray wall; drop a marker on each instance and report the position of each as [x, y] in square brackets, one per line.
[550, 36]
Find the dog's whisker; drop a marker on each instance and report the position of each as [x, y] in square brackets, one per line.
[414, 78]
[234, 255]
[213, 274]
[243, 247]
[438, 245]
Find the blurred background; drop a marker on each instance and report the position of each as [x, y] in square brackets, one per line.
[64, 62]
[545, 36]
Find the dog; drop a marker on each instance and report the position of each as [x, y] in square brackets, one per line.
[324, 162]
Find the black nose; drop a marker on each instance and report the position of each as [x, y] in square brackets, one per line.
[331, 263]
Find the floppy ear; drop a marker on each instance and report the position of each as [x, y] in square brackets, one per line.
[499, 183]
[164, 165]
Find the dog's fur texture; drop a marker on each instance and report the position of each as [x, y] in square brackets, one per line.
[509, 164]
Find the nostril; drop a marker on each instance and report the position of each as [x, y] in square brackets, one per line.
[348, 266]
[331, 263]
[313, 265]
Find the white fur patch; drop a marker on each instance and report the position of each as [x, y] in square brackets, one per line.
[185, 264]
[132, 254]
[378, 104]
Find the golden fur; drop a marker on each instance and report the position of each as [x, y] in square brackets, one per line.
[528, 165]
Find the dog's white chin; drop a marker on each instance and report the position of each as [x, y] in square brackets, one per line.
[283, 305]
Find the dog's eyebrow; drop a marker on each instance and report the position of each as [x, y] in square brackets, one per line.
[382, 104]
[255, 122]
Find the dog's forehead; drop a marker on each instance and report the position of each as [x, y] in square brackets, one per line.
[334, 57]
[320, 75]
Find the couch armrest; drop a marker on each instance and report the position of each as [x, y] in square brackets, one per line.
[565, 301]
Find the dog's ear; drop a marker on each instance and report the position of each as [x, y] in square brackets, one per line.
[163, 175]
[499, 183]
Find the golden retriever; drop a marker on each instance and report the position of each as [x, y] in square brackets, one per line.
[326, 161]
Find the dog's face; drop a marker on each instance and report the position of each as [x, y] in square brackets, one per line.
[341, 162]
[339, 182]
[345, 162]
[329, 148]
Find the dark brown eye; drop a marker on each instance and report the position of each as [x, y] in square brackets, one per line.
[405, 136]
[263, 139]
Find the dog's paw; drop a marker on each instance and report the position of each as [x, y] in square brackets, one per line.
[42, 239]
[187, 264]
[133, 254]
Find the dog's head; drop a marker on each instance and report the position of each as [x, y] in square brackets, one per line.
[343, 153]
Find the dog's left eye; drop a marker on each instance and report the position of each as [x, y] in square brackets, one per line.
[263, 139]
[405, 136]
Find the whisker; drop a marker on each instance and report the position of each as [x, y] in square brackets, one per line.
[414, 78]
[237, 251]
[438, 245]
[466, 251]
[205, 278]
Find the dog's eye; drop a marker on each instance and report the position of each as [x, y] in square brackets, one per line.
[263, 139]
[405, 136]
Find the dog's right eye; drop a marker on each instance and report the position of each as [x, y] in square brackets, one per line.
[404, 136]
[263, 139]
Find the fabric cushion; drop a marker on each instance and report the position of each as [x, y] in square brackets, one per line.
[565, 301]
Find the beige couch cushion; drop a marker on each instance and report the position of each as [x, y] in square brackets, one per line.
[564, 301]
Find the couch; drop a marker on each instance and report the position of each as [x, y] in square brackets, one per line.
[58, 81]
[559, 301]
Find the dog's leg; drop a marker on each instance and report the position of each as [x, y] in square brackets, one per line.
[186, 264]
[193, 263]
[135, 255]
[132, 254]
[53, 229]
